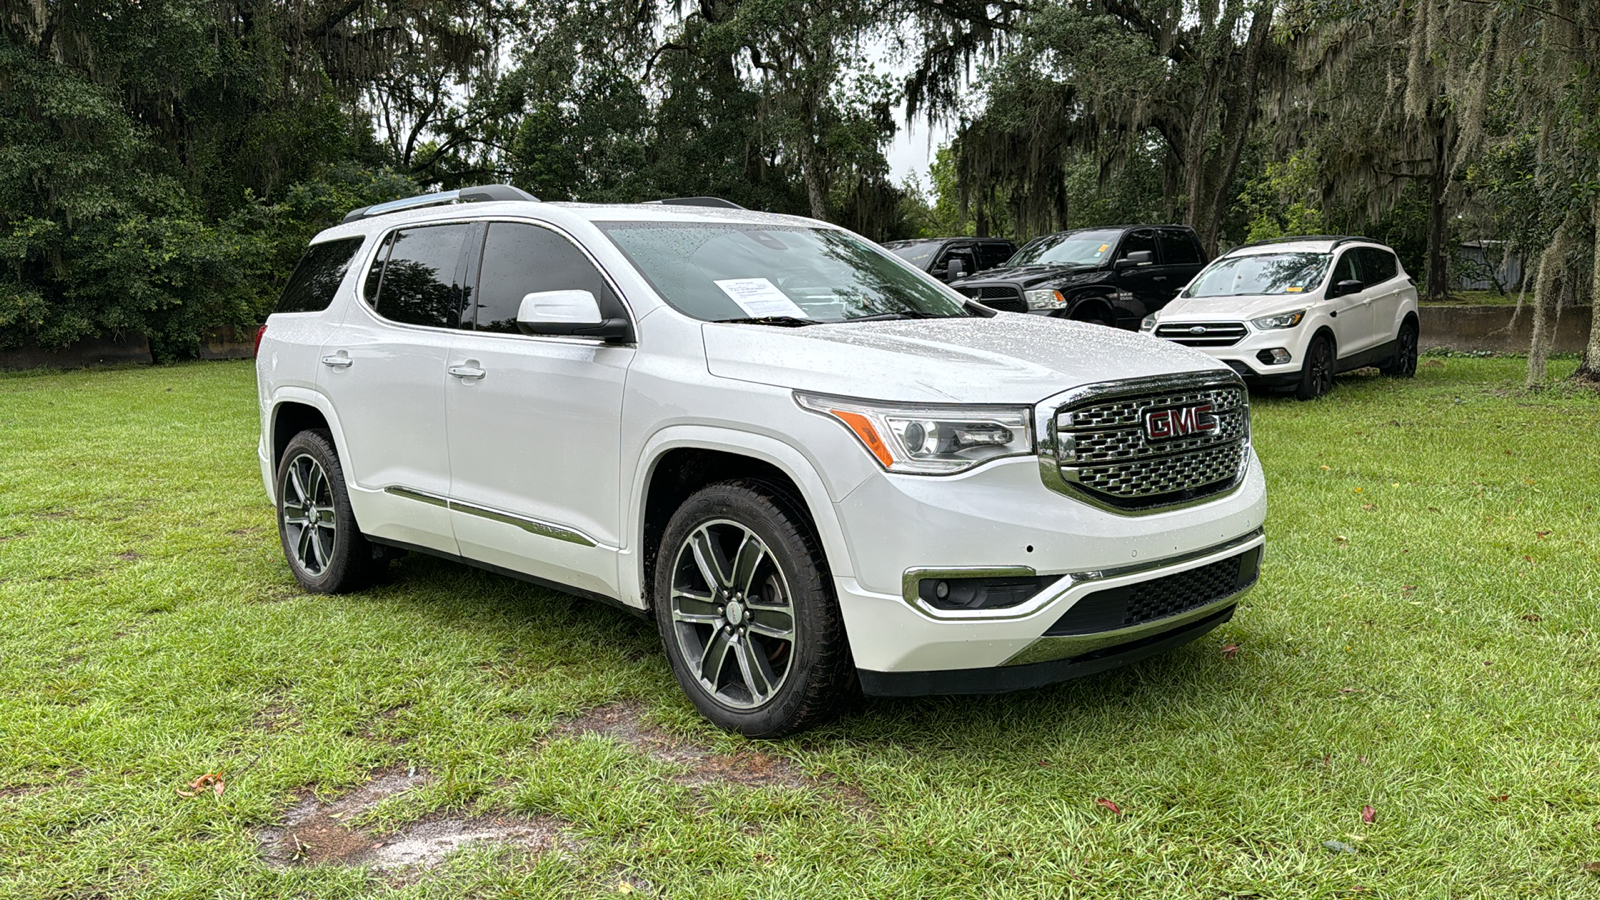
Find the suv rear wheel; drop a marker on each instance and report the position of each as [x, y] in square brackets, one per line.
[747, 612]
[1404, 363]
[327, 553]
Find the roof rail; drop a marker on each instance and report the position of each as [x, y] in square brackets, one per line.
[713, 202]
[1336, 238]
[479, 194]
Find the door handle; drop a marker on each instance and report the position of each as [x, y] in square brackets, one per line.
[338, 360]
[466, 371]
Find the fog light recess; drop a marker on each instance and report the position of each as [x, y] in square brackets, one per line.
[980, 593]
[1277, 356]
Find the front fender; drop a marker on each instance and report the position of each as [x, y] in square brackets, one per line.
[761, 447]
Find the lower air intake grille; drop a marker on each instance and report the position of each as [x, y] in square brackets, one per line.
[1160, 598]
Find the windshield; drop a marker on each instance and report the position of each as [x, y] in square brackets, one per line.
[1074, 248]
[1260, 273]
[918, 253]
[720, 272]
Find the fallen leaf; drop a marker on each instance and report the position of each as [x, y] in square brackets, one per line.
[1368, 506]
[1358, 490]
[212, 780]
[1499, 798]
[1327, 759]
[1529, 559]
[1532, 617]
[1338, 847]
[1230, 651]
[1339, 538]
[1408, 588]
[1103, 802]
[1324, 468]
[1368, 814]
[1541, 535]
[624, 888]
[1348, 690]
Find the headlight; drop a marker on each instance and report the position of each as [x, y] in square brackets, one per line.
[1149, 323]
[1045, 299]
[1282, 320]
[930, 440]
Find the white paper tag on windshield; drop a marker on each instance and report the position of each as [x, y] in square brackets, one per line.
[760, 298]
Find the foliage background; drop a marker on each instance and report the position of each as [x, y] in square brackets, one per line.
[162, 164]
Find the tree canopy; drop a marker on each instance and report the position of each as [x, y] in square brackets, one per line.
[162, 164]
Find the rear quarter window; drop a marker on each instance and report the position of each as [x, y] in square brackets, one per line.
[318, 276]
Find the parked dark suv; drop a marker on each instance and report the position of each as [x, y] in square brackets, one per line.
[950, 258]
[1114, 276]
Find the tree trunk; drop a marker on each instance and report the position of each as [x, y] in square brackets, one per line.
[1589, 369]
[811, 171]
[1437, 275]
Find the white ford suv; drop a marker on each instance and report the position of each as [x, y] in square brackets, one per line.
[819, 469]
[1294, 312]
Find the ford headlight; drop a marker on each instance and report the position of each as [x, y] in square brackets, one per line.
[1045, 299]
[1281, 320]
[930, 440]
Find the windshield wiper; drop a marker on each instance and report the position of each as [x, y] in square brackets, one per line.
[907, 314]
[785, 321]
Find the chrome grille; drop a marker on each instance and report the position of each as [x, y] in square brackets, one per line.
[1202, 334]
[1100, 447]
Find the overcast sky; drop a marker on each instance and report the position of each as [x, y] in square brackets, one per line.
[911, 151]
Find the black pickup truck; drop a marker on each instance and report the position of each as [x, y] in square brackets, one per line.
[1113, 276]
[953, 257]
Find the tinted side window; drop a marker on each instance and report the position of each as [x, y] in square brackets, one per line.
[317, 277]
[1346, 269]
[1377, 266]
[523, 259]
[994, 254]
[369, 290]
[1136, 241]
[1178, 249]
[419, 285]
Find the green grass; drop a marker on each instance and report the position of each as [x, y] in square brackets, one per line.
[1425, 639]
[1478, 298]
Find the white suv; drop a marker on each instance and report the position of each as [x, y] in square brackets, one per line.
[819, 469]
[1292, 313]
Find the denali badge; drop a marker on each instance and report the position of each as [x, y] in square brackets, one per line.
[1178, 421]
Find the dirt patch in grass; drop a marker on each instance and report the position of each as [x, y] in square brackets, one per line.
[276, 718]
[318, 833]
[13, 537]
[702, 766]
[55, 515]
[18, 791]
[129, 555]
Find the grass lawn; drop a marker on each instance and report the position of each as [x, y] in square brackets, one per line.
[1425, 641]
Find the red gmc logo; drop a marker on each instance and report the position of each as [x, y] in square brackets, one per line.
[1178, 421]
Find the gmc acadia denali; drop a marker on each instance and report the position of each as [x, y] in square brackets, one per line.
[819, 469]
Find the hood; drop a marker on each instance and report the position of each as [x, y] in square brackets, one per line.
[1234, 309]
[1029, 276]
[1005, 359]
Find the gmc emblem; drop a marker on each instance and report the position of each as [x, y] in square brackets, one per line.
[1178, 421]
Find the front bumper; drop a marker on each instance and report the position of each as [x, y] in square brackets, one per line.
[1244, 357]
[1003, 517]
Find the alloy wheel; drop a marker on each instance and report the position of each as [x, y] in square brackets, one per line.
[733, 614]
[1322, 368]
[309, 518]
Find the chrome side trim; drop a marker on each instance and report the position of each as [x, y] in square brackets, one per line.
[1047, 440]
[1068, 582]
[526, 523]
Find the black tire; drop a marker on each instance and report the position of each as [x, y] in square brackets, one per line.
[730, 657]
[1404, 362]
[1316, 373]
[1092, 313]
[325, 548]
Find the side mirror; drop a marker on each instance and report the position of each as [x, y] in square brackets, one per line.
[574, 313]
[1348, 286]
[954, 269]
[1136, 258]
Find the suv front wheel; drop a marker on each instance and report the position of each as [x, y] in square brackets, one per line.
[747, 612]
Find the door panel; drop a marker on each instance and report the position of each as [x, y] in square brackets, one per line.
[1382, 272]
[1353, 324]
[386, 383]
[534, 440]
[1151, 284]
